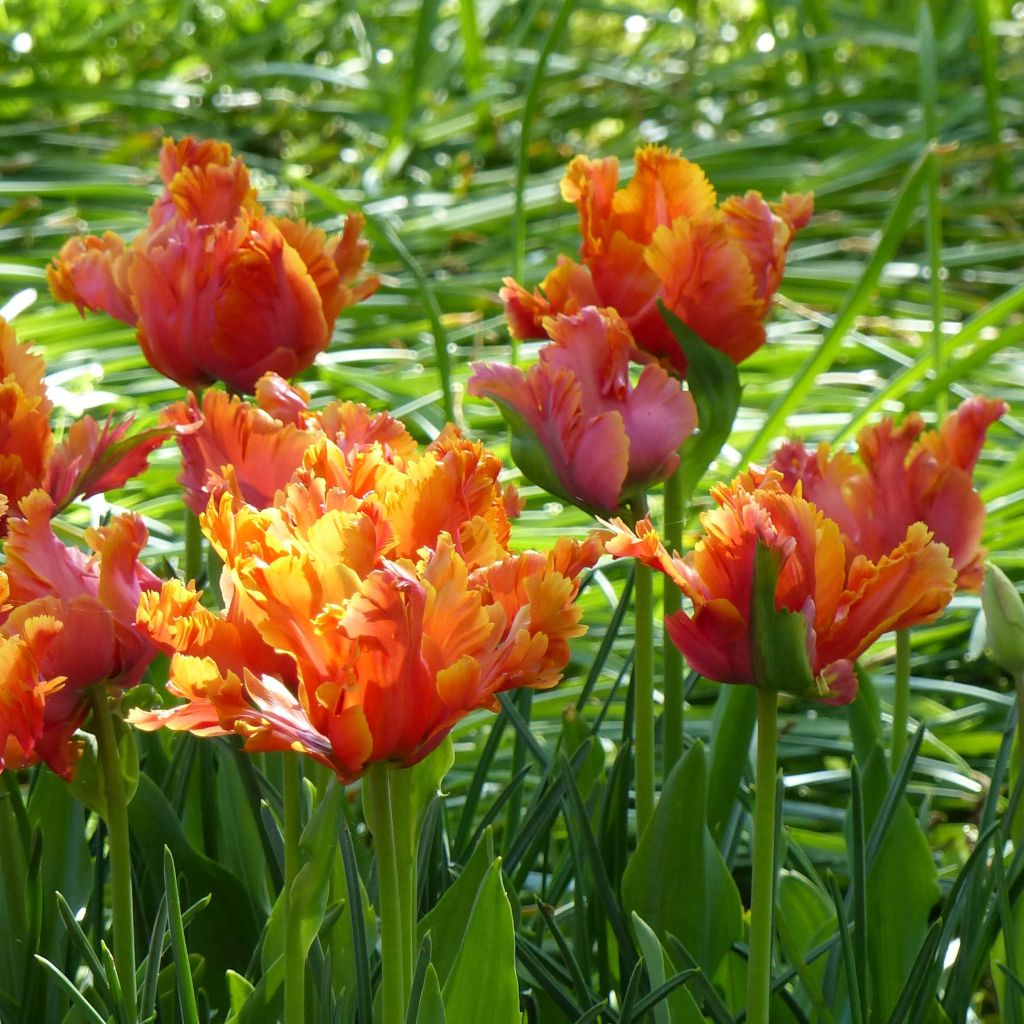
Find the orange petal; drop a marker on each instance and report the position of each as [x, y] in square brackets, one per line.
[93, 273]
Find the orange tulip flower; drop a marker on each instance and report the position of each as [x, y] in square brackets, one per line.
[906, 475]
[92, 458]
[845, 605]
[252, 450]
[663, 237]
[216, 289]
[579, 426]
[362, 622]
[70, 617]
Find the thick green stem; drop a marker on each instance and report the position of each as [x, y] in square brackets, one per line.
[405, 844]
[759, 967]
[193, 566]
[901, 699]
[672, 602]
[294, 954]
[392, 922]
[120, 847]
[643, 696]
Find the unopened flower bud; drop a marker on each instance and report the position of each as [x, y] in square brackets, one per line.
[1004, 618]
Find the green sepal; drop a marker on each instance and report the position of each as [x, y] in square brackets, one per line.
[778, 637]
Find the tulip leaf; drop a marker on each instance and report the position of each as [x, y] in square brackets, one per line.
[778, 637]
[902, 889]
[448, 920]
[427, 776]
[87, 784]
[154, 824]
[714, 382]
[679, 1006]
[482, 984]
[677, 880]
[804, 918]
[309, 892]
[431, 1005]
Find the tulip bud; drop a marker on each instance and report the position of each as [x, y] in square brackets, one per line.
[1004, 618]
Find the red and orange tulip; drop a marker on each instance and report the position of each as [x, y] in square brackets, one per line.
[845, 604]
[905, 475]
[92, 458]
[663, 237]
[368, 610]
[579, 426]
[217, 289]
[252, 450]
[70, 620]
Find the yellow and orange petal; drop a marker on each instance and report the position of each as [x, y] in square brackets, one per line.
[662, 238]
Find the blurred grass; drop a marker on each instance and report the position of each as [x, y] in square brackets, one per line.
[415, 114]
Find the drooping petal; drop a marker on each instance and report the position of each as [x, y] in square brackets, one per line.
[262, 451]
[708, 283]
[92, 273]
[95, 458]
[911, 585]
[566, 289]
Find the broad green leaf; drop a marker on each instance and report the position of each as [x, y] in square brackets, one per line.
[239, 990]
[427, 776]
[804, 918]
[319, 852]
[482, 984]
[676, 880]
[448, 921]
[678, 1007]
[226, 933]
[431, 1008]
[902, 889]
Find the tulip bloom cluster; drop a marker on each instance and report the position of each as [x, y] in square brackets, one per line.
[846, 602]
[368, 609]
[216, 289]
[579, 427]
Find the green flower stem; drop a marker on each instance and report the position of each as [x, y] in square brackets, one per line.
[672, 600]
[193, 566]
[120, 847]
[294, 954]
[392, 941]
[759, 966]
[901, 699]
[405, 843]
[643, 696]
